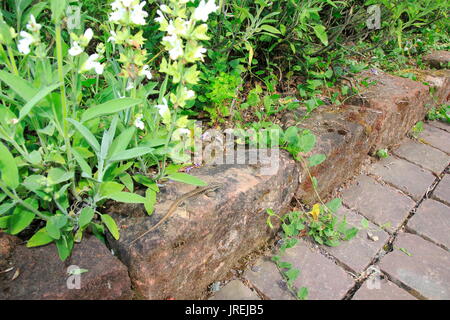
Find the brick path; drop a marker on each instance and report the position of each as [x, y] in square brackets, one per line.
[404, 254]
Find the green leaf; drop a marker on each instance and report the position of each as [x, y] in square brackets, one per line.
[112, 106]
[150, 197]
[64, 247]
[40, 238]
[86, 215]
[19, 220]
[350, 233]
[58, 7]
[122, 141]
[90, 138]
[130, 154]
[127, 197]
[307, 141]
[270, 29]
[321, 33]
[186, 178]
[5, 207]
[110, 187]
[292, 275]
[82, 163]
[365, 223]
[316, 159]
[4, 222]
[19, 85]
[302, 293]
[126, 179]
[111, 225]
[55, 224]
[334, 205]
[8, 168]
[38, 97]
[58, 175]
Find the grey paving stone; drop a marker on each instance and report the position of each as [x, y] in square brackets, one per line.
[324, 279]
[381, 204]
[357, 253]
[268, 280]
[442, 191]
[235, 290]
[404, 175]
[441, 125]
[386, 291]
[436, 137]
[425, 270]
[423, 155]
[432, 221]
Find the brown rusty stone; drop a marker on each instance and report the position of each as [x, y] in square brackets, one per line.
[42, 275]
[402, 103]
[208, 235]
[437, 59]
[344, 135]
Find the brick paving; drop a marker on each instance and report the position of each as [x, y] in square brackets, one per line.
[402, 255]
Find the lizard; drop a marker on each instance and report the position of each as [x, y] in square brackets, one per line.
[176, 203]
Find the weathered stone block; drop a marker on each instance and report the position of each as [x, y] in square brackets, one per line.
[345, 135]
[42, 275]
[423, 155]
[402, 103]
[432, 221]
[204, 239]
[380, 204]
[387, 291]
[404, 176]
[235, 290]
[437, 59]
[358, 253]
[442, 191]
[425, 270]
[440, 124]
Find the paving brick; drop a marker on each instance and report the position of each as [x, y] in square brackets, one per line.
[358, 253]
[267, 279]
[441, 125]
[423, 155]
[324, 279]
[436, 137]
[432, 221]
[425, 270]
[380, 204]
[235, 290]
[404, 175]
[386, 291]
[442, 191]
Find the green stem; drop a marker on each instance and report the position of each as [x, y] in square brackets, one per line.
[16, 198]
[12, 61]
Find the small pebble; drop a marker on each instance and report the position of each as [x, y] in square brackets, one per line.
[372, 237]
[215, 287]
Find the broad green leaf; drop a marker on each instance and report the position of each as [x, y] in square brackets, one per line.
[5, 207]
[86, 215]
[20, 219]
[150, 197]
[126, 179]
[8, 168]
[58, 8]
[321, 33]
[38, 97]
[292, 275]
[111, 225]
[82, 163]
[19, 85]
[316, 159]
[122, 141]
[40, 238]
[307, 141]
[130, 154]
[4, 222]
[112, 106]
[54, 225]
[64, 248]
[334, 205]
[127, 197]
[90, 138]
[110, 187]
[270, 29]
[302, 293]
[186, 178]
[58, 175]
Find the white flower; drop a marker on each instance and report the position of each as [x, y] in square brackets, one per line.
[33, 25]
[75, 50]
[138, 15]
[145, 71]
[163, 108]
[88, 34]
[92, 63]
[117, 15]
[25, 42]
[138, 123]
[129, 86]
[175, 46]
[127, 3]
[160, 17]
[113, 36]
[199, 53]
[204, 9]
[190, 94]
